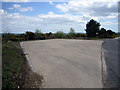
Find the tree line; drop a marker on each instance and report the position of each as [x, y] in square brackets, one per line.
[92, 31]
[38, 35]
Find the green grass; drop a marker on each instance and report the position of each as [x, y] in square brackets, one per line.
[11, 64]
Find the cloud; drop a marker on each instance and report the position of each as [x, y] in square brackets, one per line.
[26, 9]
[51, 3]
[2, 12]
[104, 10]
[64, 18]
[10, 8]
[94, 8]
[112, 16]
[21, 9]
[15, 0]
[110, 23]
[14, 15]
[16, 6]
[50, 13]
[76, 15]
[51, 21]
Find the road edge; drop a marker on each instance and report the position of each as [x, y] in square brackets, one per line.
[30, 65]
[103, 66]
[26, 57]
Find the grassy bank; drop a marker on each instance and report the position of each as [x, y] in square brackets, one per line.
[16, 72]
[11, 64]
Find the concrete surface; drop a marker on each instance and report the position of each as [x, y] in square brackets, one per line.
[66, 63]
[110, 48]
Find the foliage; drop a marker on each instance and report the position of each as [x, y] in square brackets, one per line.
[39, 35]
[102, 33]
[92, 28]
[59, 34]
[49, 35]
[16, 38]
[80, 35]
[92, 31]
[23, 36]
[30, 35]
[7, 36]
[117, 35]
[110, 34]
[71, 33]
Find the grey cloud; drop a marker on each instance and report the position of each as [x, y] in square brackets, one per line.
[103, 10]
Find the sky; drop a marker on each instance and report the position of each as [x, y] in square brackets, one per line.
[19, 16]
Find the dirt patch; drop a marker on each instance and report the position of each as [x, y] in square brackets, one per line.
[27, 78]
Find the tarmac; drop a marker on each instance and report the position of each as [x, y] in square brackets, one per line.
[66, 63]
[111, 57]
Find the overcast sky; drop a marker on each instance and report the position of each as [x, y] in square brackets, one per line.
[19, 16]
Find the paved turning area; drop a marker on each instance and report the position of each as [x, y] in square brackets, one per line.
[66, 63]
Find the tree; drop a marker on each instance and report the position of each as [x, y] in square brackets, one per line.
[102, 33]
[92, 28]
[59, 34]
[71, 33]
[37, 34]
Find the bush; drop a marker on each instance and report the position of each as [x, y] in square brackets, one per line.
[23, 36]
[102, 33]
[6, 36]
[59, 34]
[16, 38]
[80, 35]
[30, 35]
[48, 35]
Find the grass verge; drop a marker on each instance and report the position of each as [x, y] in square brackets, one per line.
[16, 73]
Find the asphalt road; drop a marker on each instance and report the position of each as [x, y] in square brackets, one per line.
[111, 57]
[66, 63]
